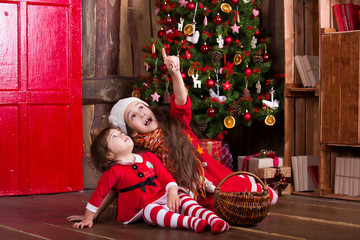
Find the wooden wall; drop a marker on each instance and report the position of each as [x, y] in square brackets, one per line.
[113, 34]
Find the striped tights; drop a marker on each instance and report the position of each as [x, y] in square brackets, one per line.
[191, 216]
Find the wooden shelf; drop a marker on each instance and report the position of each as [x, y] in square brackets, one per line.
[297, 90]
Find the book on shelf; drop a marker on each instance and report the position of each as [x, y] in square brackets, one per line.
[353, 15]
[314, 173]
[303, 181]
[338, 18]
[347, 176]
[301, 69]
[344, 17]
[295, 173]
[311, 65]
[308, 68]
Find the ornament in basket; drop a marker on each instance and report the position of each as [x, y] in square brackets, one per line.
[242, 208]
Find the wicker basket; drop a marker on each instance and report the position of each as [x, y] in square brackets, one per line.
[242, 208]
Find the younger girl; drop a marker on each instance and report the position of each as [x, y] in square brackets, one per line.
[146, 189]
[169, 136]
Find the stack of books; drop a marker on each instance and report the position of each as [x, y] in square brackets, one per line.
[305, 172]
[347, 176]
[347, 16]
[308, 68]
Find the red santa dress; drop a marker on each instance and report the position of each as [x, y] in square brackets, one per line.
[140, 183]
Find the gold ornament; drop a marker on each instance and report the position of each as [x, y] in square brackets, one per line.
[135, 93]
[237, 59]
[229, 122]
[191, 71]
[270, 120]
[189, 29]
[225, 7]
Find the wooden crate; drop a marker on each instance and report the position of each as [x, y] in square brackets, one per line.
[340, 115]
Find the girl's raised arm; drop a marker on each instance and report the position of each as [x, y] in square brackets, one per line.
[173, 65]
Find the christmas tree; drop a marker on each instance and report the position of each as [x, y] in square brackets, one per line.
[224, 63]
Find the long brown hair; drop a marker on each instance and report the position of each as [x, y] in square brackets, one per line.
[99, 149]
[187, 169]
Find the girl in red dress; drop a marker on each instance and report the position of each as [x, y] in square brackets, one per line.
[146, 189]
[169, 136]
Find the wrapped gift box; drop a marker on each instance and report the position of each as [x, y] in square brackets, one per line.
[212, 147]
[279, 178]
[255, 162]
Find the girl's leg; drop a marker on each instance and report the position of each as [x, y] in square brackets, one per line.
[256, 187]
[190, 207]
[157, 215]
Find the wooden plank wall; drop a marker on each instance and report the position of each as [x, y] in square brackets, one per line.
[306, 110]
[114, 32]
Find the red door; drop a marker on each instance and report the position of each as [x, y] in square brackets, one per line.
[40, 97]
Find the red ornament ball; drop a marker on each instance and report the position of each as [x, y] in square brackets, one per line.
[163, 68]
[247, 117]
[234, 2]
[248, 71]
[257, 33]
[266, 57]
[218, 20]
[210, 83]
[211, 112]
[228, 40]
[204, 48]
[168, 20]
[190, 6]
[161, 33]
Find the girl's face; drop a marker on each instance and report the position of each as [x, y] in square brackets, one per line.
[119, 144]
[140, 118]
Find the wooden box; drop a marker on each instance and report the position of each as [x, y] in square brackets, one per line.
[340, 119]
[270, 177]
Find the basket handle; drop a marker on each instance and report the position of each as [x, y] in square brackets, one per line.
[242, 172]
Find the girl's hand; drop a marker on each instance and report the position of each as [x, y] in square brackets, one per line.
[172, 62]
[74, 218]
[84, 223]
[173, 200]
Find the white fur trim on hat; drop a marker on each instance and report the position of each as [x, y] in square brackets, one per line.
[117, 112]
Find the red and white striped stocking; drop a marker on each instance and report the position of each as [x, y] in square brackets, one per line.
[155, 214]
[190, 207]
[256, 187]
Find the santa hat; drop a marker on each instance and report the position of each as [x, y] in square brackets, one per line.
[117, 112]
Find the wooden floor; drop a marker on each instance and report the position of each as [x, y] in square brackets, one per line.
[294, 217]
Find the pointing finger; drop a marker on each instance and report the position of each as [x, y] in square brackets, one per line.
[163, 53]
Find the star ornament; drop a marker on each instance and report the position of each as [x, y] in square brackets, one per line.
[235, 28]
[183, 3]
[155, 97]
[227, 85]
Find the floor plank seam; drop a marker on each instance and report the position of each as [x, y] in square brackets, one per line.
[267, 233]
[23, 232]
[317, 220]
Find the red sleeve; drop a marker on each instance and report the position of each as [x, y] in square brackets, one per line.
[182, 113]
[106, 183]
[161, 172]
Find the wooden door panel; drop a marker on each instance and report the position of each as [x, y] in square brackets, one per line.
[48, 146]
[9, 149]
[8, 46]
[48, 47]
[40, 97]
